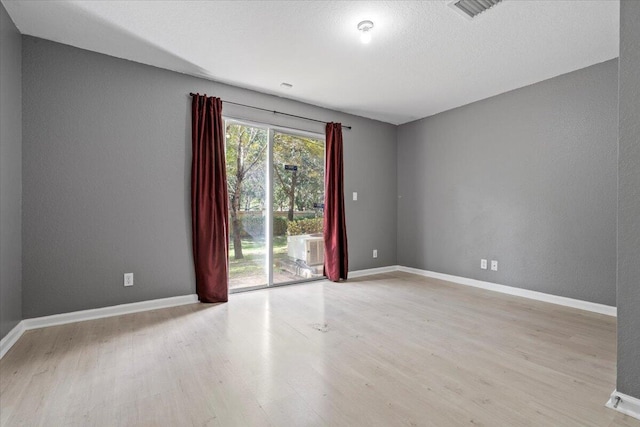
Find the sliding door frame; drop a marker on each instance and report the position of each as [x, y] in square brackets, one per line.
[271, 131]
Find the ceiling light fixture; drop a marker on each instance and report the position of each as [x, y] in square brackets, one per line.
[365, 31]
[286, 85]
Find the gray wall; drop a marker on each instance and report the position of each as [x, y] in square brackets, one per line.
[106, 177]
[629, 202]
[527, 178]
[10, 174]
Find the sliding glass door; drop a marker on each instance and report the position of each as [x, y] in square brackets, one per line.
[246, 157]
[298, 207]
[276, 205]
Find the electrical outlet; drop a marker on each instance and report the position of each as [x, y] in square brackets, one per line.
[355, 195]
[483, 264]
[128, 279]
[494, 265]
[375, 253]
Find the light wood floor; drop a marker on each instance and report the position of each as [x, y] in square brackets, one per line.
[387, 350]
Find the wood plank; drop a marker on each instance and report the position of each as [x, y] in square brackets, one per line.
[391, 349]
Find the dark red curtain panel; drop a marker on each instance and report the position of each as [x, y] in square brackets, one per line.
[336, 258]
[209, 200]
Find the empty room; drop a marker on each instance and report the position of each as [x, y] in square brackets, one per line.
[320, 213]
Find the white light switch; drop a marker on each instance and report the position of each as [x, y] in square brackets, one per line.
[355, 195]
[494, 265]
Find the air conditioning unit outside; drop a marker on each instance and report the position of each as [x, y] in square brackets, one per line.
[306, 247]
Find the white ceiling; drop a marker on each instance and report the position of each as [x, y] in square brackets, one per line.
[424, 57]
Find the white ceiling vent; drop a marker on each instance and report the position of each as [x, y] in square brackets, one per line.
[472, 8]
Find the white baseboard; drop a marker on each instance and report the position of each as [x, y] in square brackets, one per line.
[625, 404]
[11, 338]
[77, 316]
[96, 313]
[370, 271]
[540, 296]
[114, 310]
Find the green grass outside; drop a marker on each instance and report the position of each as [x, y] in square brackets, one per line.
[255, 251]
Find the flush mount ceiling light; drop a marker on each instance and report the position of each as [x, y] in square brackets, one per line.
[365, 31]
[286, 85]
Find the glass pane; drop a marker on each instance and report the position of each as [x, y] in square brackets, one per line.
[298, 207]
[246, 156]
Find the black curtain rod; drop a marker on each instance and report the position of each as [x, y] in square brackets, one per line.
[273, 111]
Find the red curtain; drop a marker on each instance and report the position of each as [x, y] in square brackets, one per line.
[336, 258]
[209, 210]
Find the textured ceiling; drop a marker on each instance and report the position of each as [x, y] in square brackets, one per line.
[424, 57]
